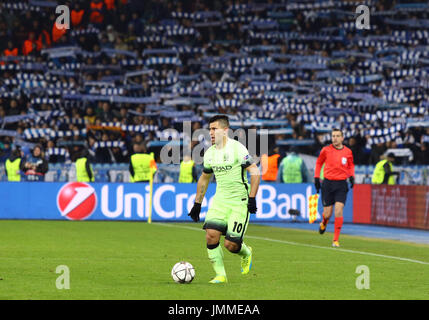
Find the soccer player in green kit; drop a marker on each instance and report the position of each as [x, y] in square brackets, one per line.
[228, 159]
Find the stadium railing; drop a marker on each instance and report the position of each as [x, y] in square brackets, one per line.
[106, 172]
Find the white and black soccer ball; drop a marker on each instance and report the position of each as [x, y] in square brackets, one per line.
[183, 272]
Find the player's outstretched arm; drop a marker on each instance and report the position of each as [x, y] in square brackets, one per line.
[255, 178]
[202, 185]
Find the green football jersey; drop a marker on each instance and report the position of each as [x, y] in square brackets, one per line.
[229, 167]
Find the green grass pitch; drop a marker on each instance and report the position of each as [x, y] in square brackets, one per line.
[133, 260]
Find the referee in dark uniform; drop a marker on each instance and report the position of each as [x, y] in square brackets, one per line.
[339, 167]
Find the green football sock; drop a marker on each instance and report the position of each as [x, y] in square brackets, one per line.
[244, 252]
[216, 258]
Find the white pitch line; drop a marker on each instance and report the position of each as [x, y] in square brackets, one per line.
[308, 245]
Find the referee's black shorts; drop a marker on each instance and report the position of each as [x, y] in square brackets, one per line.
[334, 191]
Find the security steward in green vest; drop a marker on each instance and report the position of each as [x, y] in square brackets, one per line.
[142, 164]
[13, 166]
[383, 172]
[293, 169]
[84, 172]
[187, 171]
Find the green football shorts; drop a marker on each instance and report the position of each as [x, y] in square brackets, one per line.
[229, 217]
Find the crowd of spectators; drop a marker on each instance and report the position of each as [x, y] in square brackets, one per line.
[125, 70]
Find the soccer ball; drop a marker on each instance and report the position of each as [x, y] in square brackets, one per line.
[183, 272]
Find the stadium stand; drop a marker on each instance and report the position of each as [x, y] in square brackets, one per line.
[127, 70]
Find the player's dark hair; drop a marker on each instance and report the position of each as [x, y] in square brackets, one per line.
[338, 130]
[223, 119]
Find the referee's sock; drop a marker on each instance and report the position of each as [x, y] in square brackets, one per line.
[337, 227]
[215, 254]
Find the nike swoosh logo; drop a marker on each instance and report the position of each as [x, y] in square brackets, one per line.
[83, 193]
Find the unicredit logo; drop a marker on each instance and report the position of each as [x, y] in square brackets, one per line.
[76, 200]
